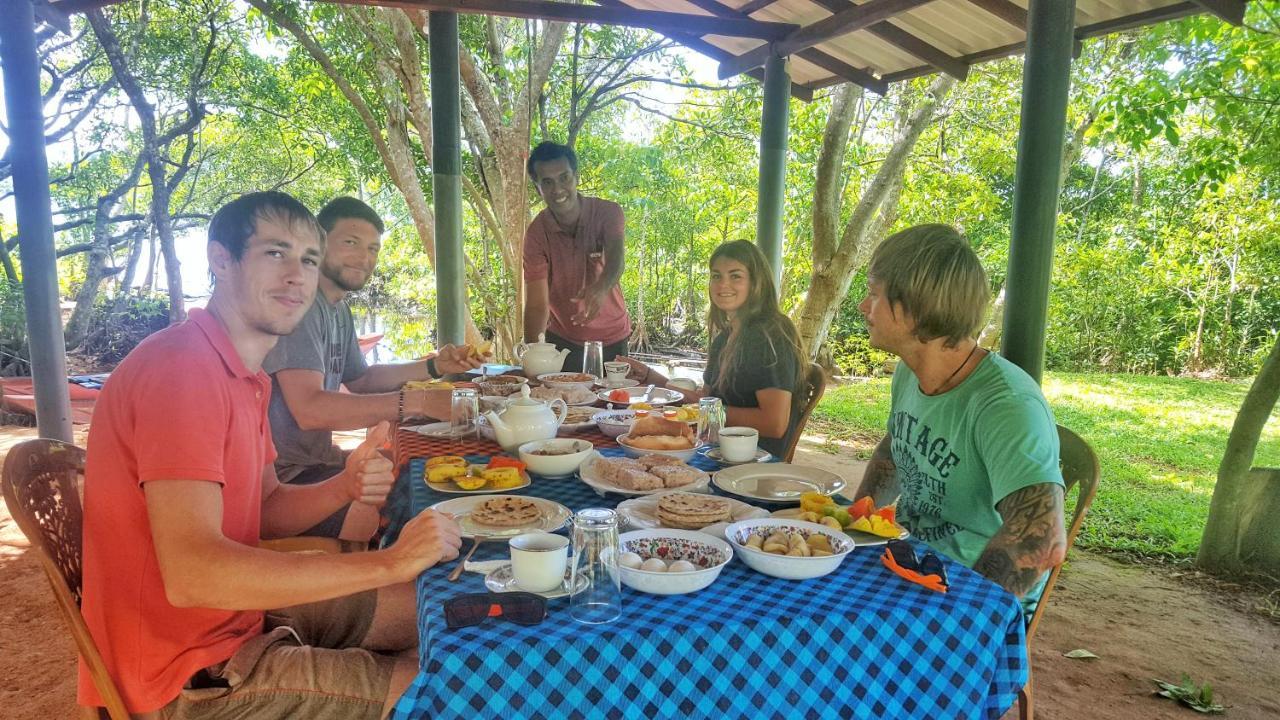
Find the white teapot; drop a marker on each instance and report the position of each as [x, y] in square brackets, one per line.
[526, 419]
[541, 358]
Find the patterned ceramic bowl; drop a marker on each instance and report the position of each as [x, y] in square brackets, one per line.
[707, 553]
[614, 422]
[502, 385]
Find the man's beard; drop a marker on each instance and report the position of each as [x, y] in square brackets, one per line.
[335, 276]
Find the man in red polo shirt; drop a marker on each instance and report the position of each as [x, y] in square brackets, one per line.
[179, 488]
[573, 258]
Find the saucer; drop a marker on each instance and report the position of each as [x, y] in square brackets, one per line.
[615, 384]
[762, 455]
[501, 579]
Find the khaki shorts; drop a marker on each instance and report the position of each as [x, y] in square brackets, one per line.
[307, 664]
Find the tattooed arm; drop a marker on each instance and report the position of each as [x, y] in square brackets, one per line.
[880, 480]
[1032, 540]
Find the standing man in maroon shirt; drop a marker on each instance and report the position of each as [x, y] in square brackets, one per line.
[573, 259]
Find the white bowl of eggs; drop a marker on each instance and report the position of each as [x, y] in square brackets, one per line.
[671, 562]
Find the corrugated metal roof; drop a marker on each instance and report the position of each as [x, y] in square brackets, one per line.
[928, 37]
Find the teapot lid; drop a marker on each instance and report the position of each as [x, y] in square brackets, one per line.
[525, 400]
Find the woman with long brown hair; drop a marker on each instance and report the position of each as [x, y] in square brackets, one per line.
[755, 364]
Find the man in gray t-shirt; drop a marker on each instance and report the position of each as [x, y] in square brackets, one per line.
[308, 367]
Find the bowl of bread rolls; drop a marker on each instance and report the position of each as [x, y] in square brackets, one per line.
[654, 434]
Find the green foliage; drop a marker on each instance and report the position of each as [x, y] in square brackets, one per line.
[1191, 694]
[1159, 441]
[117, 325]
[13, 336]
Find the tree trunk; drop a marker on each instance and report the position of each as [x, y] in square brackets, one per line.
[1240, 535]
[10, 272]
[832, 276]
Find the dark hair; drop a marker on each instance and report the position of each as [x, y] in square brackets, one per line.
[548, 151]
[761, 310]
[343, 208]
[234, 223]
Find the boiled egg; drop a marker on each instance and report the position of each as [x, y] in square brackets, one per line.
[681, 566]
[654, 565]
[630, 560]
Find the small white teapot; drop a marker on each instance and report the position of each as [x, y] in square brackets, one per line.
[526, 419]
[541, 358]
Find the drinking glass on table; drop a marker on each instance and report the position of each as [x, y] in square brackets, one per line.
[463, 414]
[598, 598]
[710, 420]
[593, 358]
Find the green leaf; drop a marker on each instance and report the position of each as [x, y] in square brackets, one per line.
[1080, 654]
[1196, 697]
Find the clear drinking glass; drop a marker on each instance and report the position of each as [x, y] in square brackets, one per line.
[463, 413]
[598, 599]
[593, 358]
[710, 420]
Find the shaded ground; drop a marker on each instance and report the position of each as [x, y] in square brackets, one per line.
[1142, 624]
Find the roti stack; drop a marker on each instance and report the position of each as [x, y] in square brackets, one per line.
[505, 511]
[688, 511]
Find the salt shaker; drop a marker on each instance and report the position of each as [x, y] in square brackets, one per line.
[598, 597]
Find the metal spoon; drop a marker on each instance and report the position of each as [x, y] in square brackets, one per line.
[648, 394]
[462, 564]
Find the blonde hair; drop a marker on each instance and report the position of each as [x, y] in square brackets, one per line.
[933, 273]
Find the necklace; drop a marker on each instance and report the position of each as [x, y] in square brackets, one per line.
[955, 372]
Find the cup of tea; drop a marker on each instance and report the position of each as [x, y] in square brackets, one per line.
[616, 371]
[539, 560]
[738, 444]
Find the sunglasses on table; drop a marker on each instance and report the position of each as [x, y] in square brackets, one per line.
[522, 608]
[928, 571]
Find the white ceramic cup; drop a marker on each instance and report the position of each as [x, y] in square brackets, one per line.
[616, 370]
[738, 444]
[539, 560]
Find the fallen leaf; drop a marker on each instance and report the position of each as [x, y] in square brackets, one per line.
[1080, 654]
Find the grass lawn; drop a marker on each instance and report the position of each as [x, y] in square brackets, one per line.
[1159, 440]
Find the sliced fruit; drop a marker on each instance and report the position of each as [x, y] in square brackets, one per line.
[444, 473]
[863, 507]
[888, 513]
[446, 460]
[470, 482]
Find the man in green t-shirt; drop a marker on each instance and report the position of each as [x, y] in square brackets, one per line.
[971, 456]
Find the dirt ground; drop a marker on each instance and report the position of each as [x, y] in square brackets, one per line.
[1141, 623]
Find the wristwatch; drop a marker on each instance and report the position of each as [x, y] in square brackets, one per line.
[431, 368]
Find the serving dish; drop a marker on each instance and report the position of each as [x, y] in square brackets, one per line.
[706, 553]
[778, 483]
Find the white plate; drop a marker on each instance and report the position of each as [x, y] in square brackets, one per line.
[761, 456]
[661, 396]
[501, 580]
[451, 488]
[859, 538]
[552, 517]
[779, 483]
[550, 379]
[440, 430]
[641, 513]
[587, 397]
[589, 476]
[495, 369]
[615, 384]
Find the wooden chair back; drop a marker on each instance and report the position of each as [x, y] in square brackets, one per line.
[1080, 471]
[815, 383]
[41, 489]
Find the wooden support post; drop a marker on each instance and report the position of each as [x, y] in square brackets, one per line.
[1046, 80]
[446, 174]
[771, 194]
[35, 224]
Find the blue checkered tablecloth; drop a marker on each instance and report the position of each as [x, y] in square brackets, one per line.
[858, 643]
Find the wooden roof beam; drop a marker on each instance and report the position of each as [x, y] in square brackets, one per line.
[813, 55]
[975, 58]
[798, 91]
[613, 15]
[1231, 11]
[907, 42]
[844, 22]
[755, 5]
[1005, 10]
